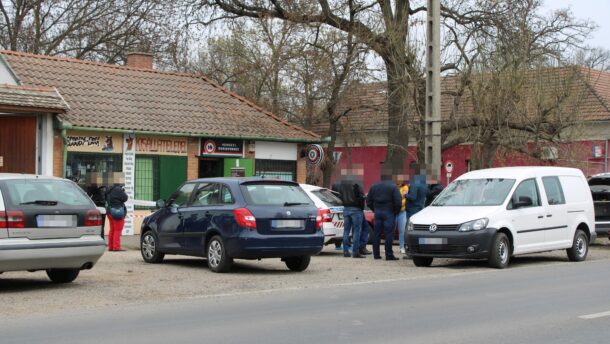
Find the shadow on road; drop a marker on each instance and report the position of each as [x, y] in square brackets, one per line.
[39, 282]
[239, 266]
[514, 262]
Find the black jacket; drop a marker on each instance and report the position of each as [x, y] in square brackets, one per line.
[350, 194]
[384, 195]
[116, 196]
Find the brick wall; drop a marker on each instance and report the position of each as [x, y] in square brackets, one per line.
[140, 60]
[192, 168]
[58, 154]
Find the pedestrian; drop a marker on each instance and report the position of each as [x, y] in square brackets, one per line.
[434, 189]
[116, 212]
[350, 193]
[98, 196]
[416, 197]
[385, 201]
[401, 218]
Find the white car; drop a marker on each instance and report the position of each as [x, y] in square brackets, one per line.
[332, 212]
[50, 224]
[500, 212]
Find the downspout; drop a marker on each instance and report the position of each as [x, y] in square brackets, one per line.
[64, 150]
[606, 160]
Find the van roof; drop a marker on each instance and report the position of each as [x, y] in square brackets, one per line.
[521, 172]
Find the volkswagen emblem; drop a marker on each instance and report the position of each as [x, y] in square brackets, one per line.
[432, 228]
[288, 213]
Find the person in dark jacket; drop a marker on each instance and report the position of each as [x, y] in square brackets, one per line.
[416, 198]
[116, 212]
[434, 189]
[98, 196]
[385, 201]
[350, 193]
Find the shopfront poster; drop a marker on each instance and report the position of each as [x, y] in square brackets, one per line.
[129, 164]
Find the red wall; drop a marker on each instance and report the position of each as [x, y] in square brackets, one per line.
[579, 155]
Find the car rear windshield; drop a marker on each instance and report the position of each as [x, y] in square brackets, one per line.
[275, 194]
[45, 192]
[599, 184]
[475, 192]
[327, 197]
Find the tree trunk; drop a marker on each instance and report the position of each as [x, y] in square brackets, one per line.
[329, 166]
[398, 136]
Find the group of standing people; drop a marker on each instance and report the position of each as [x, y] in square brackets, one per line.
[393, 201]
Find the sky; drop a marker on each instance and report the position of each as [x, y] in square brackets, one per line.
[597, 11]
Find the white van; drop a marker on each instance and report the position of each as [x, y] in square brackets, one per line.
[500, 212]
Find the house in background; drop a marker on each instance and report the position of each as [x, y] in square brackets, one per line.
[68, 117]
[363, 132]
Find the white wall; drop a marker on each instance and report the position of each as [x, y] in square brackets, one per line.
[45, 145]
[6, 77]
[275, 150]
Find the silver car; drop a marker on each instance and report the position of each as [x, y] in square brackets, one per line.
[47, 223]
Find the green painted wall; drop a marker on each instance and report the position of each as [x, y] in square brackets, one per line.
[247, 164]
[172, 173]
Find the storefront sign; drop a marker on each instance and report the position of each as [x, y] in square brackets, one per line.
[222, 147]
[315, 154]
[129, 164]
[94, 142]
[161, 145]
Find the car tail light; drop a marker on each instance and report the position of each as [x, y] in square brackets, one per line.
[12, 219]
[244, 218]
[320, 218]
[93, 218]
[326, 215]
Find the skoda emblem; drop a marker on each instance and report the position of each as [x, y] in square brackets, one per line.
[288, 213]
[432, 228]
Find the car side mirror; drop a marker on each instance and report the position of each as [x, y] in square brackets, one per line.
[160, 204]
[524, 201]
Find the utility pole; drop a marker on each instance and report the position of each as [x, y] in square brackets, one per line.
[433, 91]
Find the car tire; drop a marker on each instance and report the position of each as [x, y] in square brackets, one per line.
[149, 248]
[62, 275]
[218, 260]
[422, 261]
[580, 247]
[499, 255]
[297, 263]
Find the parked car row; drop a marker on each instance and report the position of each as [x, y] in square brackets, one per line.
[50, 224]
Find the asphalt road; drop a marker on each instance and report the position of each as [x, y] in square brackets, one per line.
[552, 303]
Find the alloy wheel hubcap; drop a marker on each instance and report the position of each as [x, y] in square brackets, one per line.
[148, 246]
[581, 247]
[503, 251]
[214, 253]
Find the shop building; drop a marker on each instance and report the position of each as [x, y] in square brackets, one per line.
[158, 128]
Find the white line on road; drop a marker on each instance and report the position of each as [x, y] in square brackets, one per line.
[595, 316]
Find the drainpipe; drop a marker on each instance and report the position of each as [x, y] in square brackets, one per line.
[64, 159]
[606, 160]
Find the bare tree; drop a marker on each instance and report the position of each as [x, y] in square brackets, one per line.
[84, 29]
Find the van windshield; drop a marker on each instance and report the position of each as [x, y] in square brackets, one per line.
[475, 192]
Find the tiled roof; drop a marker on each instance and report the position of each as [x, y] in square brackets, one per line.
[23, 97]
[118, 97]
[368, 102]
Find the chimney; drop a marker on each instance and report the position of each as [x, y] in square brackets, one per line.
[140, 60]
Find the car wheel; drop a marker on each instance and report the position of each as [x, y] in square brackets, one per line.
[580, 247]
[63, 275]
[422, 261]
[218, 261]
[500, 251]
[149, 248]
[297, 263]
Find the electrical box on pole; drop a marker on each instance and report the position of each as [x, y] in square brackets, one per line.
[433, 91]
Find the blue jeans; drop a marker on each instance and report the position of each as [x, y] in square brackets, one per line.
[401, 223]
[364, 233]
[352, 218]
[384, 221]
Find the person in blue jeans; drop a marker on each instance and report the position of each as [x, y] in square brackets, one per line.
[385, 201]
[350, 193]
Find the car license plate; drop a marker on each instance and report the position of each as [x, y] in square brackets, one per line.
[56, 220]
[432, 241]
[287, 224]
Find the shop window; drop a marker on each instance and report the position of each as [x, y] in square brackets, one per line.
[277, 169]
[78, 165]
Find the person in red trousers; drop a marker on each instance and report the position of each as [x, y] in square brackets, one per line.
[116, 212]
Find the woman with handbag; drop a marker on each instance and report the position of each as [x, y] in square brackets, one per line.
[116, 212]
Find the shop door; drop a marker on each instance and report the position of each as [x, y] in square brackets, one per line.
[18, 144]
[211, 168]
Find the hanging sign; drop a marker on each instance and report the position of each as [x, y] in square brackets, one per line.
[222, 147]
[315, 154]
[129, 166]
[94, 142]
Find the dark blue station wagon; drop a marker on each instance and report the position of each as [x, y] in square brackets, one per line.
[226, 218]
